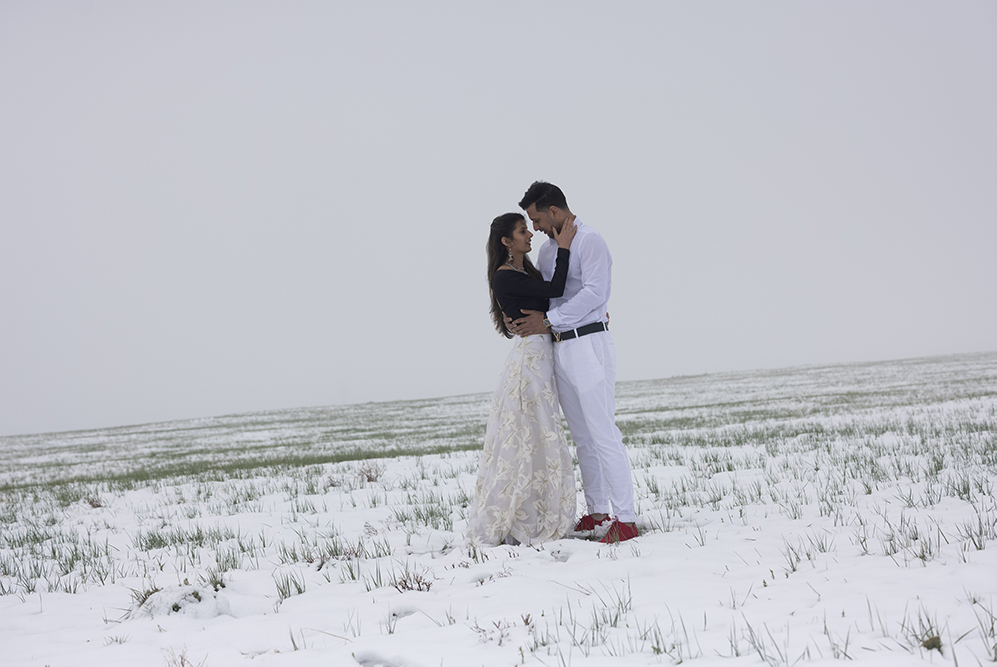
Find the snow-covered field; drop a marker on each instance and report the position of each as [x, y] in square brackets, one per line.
[806, 515]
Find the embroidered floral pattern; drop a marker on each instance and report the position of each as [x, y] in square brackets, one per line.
[526, 481]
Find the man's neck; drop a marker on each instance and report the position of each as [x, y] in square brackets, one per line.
[560, 226]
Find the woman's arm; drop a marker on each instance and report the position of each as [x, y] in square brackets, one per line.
[519, 285]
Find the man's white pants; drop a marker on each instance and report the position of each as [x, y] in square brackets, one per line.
[585, 369]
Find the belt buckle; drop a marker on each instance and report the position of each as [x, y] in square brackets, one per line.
[557, 336]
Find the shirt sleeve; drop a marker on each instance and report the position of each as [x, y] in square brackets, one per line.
[595, 262]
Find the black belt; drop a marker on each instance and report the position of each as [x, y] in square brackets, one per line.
[595, 327]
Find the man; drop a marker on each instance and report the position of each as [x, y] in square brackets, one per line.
[584, 361]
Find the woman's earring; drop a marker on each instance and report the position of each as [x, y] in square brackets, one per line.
[511, 258]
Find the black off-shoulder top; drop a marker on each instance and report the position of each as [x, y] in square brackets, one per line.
[516, 291]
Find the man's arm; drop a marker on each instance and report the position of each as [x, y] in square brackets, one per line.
[595, 264]
[532, 323]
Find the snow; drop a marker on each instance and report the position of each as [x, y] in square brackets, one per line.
[806, 516]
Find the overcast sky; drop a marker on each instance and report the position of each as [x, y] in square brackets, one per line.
[213, 208]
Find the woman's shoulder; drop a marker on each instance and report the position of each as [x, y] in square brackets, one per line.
[507, 279]
[507, 274]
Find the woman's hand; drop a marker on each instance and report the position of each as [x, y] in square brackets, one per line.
[567, 232]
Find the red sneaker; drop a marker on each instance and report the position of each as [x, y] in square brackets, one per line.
[588, 522]
[619, 532]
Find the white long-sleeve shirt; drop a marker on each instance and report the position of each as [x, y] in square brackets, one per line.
[590, 280]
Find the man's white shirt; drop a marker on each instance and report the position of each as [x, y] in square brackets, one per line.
[590, 279]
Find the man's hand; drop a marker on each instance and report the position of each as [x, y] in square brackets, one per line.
[532, 323]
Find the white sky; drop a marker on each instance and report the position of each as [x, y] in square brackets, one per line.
[208, 208]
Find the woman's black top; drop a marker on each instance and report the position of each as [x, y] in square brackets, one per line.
[515, 291]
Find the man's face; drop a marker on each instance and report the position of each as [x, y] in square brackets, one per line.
[542, 220]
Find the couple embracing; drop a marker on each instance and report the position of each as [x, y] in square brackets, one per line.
[525, 490]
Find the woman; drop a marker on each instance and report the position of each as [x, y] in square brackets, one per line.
[525, 492]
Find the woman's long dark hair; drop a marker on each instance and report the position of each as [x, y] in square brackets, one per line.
[498, 254]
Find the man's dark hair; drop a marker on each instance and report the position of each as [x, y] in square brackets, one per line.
[542, 194]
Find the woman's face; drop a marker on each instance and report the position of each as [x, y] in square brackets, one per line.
[519, 242]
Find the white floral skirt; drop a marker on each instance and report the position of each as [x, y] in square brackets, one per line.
[526, 482]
